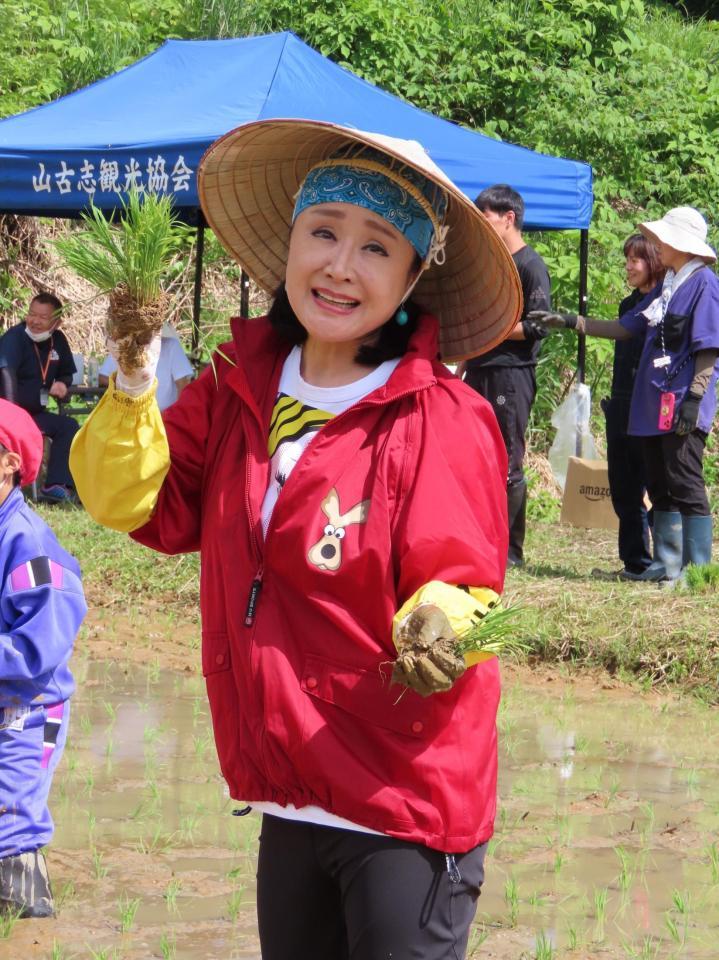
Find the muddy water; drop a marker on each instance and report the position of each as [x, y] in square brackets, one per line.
[606, 843]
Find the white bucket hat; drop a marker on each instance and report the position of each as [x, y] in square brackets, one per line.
[683, 229]
[248, 181]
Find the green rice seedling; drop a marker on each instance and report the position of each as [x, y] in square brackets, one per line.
[625, 873]
[127, 908]
[167, 947]
[234, 904]
[109, 745]
[543, 949]
[572, 938]
[713, 855]
[511, 898]
[158, 842]
[600, 912]
[201, 744]
[64, 893]
[99, 870]
[612, 792]
[678, 931]
[105, 953]
[151, 735]
[197, 711]
[536, 900]
[8, 919]
[110, 710]
[153, 672]
[188, 827]
[171, 891]
[58, 952]
[89, 781]
[649, 950]
[558, 861]
[477, 936]
[85, 723]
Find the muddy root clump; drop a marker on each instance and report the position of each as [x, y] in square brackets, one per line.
[133, 326]
[428, 661]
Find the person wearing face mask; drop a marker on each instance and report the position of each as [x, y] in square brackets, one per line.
[38, 364]
[674, 398]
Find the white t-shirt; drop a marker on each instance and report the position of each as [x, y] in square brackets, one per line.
[173, 365]
[300, 411]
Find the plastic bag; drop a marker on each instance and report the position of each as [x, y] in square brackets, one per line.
[573, 439]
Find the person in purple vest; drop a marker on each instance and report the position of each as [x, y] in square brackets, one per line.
[674, 397]
[41, 609]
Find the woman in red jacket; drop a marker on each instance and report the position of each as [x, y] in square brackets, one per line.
[344, 489]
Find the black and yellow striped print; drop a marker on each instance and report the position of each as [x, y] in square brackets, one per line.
[292, 420]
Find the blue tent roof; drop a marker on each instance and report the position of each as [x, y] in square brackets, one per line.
[150, 124]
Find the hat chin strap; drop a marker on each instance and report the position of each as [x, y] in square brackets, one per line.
[436, 254]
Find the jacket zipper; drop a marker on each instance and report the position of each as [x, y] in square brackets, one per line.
[253, 598]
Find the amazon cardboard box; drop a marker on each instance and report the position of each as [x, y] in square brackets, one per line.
[586, 500]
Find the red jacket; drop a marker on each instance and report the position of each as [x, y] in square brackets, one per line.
[405, 487]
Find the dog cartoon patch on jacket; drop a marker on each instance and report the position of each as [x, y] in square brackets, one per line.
[326, 554]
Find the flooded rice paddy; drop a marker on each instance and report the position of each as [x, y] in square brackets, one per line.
[606, 846]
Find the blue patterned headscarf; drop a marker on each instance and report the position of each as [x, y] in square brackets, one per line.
[398, 193]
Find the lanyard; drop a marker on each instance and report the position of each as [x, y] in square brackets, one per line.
[44, 369]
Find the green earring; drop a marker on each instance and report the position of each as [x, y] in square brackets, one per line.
[401, 317]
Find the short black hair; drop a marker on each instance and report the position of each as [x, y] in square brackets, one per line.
[16, 475]
[501, 198]
[48, 298]
[391, 341]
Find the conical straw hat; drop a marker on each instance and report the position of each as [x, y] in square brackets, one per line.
[248, 179]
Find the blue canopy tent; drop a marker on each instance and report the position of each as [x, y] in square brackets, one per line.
[149, 125]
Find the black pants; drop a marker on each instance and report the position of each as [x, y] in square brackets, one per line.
[329, 894]
[627, 485]
[511, 391]
[675, 479]
[61, 430]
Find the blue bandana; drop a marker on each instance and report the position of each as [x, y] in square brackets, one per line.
[403, 197]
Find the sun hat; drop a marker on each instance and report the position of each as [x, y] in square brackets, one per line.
[248, 181]
[683, 229]
[19, 435]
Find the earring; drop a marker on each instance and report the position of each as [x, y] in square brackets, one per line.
[401, 318]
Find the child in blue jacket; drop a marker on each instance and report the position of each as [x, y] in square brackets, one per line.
[41, 609]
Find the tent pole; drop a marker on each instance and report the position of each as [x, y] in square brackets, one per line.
[583, 270]
[244, 295]
[197, 300]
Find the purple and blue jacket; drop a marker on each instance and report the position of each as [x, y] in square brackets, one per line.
[41, 608]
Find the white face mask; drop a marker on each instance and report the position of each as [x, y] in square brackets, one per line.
[38, 337]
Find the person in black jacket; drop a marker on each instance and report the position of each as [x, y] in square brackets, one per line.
[627, 482]
[38, 364]
[506, 375]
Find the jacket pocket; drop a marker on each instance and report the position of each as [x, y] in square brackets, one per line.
[215, 652]
[367, 694]
[675, 331]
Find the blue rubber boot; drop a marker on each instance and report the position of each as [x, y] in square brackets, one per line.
[668, 549]
[697, 540]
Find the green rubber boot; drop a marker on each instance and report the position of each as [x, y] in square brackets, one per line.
[668, 549]
[697, 540]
